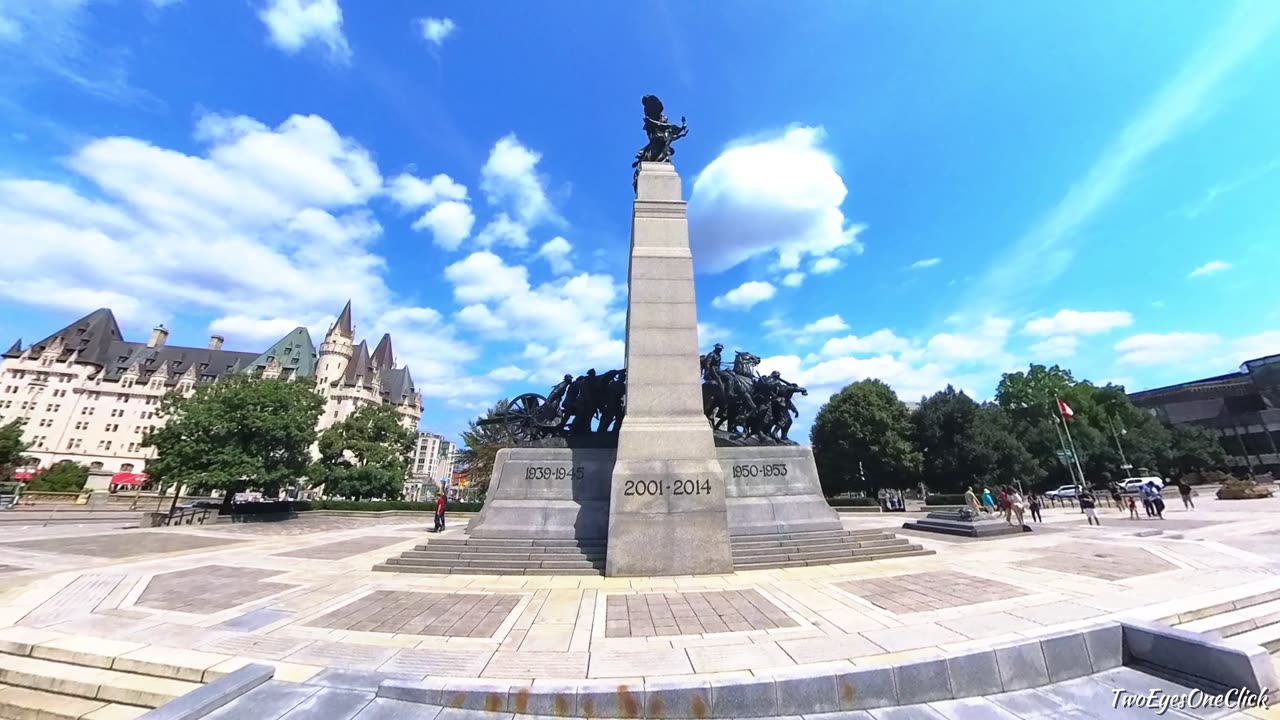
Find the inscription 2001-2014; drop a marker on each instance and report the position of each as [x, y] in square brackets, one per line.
[673, 487]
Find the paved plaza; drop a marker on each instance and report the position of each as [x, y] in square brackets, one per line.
[301, 595]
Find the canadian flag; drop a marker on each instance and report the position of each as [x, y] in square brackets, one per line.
[1065, 409]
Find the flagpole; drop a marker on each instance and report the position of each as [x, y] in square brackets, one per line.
[1124, 463]
[1062, 443]
[1075, 456]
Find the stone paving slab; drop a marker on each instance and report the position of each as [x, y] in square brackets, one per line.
[345, 548]
[122, 545]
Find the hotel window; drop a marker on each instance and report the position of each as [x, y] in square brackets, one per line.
[18, 373]
[52, 407]
[95, 466]
[104, 444]
[29, 405]
[113, 427]
[126, 383]
[82, 426]
[73, 443]
[41, 377]
[117, 413]
[86, 411]
[47, 422]
[127, 467]
[95, 396]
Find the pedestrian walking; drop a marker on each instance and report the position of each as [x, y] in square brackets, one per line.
[1133, 509]
[1006, 508]
[971, 500]
[1090, 507]
[1184, 489]
[988, 502]
[439, 513]
[1157, 502]
[1116, 496]
[1035, 507]
[1018, 506]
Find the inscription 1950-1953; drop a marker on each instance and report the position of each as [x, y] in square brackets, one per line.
[559, 472]
[764, 471]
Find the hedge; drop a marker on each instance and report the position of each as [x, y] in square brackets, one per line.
[944, 500]
[382, 505]
[853, 502]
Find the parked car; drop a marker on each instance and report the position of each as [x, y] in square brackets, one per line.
[1066, 491]
[1133, 485]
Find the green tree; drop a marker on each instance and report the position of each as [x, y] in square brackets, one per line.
[481, 444]
[965, 443]
[1193, 448]
[239, 433]
[864, 429]
[365, 456]
[11, 448]
[65, 476]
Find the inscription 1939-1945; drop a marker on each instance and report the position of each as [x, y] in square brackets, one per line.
[751, 471]
[555, 473]
[671, 487]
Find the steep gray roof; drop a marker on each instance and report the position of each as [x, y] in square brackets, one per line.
[344, 321]
[15, 350]
[383, 356]
[359, 368]
[397, 385]
[172, 361]
[295, 352]
[90, 335]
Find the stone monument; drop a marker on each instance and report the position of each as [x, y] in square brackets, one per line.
[686, 452]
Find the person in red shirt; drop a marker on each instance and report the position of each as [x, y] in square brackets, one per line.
[439, 513]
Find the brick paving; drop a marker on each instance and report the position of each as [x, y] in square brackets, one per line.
[423, 613]
[691, 613]
[344, 548]
[1103, 562]
[208, 589]
[121, 545]
[936, 590]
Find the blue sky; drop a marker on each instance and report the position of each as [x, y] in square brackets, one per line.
[875, 190]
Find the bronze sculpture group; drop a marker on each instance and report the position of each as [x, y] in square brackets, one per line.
[739, 403]
[661, 135]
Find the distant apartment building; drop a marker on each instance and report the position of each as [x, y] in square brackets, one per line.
[88, 395]
[432, 466]
[1241, 408]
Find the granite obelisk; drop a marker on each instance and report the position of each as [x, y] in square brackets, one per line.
[667, 511]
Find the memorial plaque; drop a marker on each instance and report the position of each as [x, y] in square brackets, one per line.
[774, 489]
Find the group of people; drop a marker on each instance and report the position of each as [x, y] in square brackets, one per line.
[1012, 505]
[1008, 503]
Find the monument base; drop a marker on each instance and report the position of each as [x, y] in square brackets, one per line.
[957, 522]
[547, 494]
[563, 493]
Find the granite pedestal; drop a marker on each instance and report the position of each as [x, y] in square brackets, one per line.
[667, 510]
[547, 494]
[954, 522]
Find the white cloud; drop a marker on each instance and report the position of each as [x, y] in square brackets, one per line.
[825, 265]
[828, 324]
[776, 196]
[926, 263]
[1075, 322]
[510, 179]
[710, 333]
[1166, 349]
[879, 342]
[1047, 249]
[507, 373]
[745, 296]
[984, 343]
[258, 332]
[295, 24]
[10, 30]
[1058, 346]
[567, 324]
[412, 192]
[502, 230]
[793, 279]
[435, 30]
[556, 252]
[450, 223]
[1213, 266]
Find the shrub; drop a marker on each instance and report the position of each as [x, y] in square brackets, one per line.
[853, 502]
[262, 508]
[944, 500]
[382, 505]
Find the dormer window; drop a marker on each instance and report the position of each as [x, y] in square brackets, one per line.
[122, 359]
[204, 366]
[288, 350]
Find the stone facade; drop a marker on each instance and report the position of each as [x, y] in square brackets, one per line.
[89, 396]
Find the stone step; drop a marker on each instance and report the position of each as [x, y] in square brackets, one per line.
[526, 549]
[20, 703]
[815, 541]
[819, 547]
[914, 551]
[810, 535]
[499, 563]
[1236, 622]
[90, 683]
[516, 542]
[451, 570]
[488, 554]
[821, 554]
[1268, 636]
